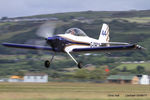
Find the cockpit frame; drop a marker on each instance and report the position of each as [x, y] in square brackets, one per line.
[76, 32]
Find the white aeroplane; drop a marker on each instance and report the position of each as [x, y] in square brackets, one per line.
[75, 40]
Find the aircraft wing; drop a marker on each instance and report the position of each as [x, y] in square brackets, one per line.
[26, 46]
[108, 48]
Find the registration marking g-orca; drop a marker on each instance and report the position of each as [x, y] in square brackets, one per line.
[95, 44]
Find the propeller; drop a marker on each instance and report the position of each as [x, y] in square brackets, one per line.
[46, 30]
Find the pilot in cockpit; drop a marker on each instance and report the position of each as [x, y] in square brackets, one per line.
[75, 31]
[72, 32]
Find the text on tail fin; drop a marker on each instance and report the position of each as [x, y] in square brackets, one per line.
[104, 34]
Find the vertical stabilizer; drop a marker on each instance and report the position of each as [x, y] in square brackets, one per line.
[104, 34]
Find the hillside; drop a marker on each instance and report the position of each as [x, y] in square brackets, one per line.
[97, 14]
[125, 26]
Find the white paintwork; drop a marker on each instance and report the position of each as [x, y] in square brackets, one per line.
[104, 34]
[84, 39]
[144, 80]
[42, 79]
[15, 80]
[103, 40]
[70, 48]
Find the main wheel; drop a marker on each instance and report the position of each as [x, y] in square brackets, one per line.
[80, 65]
[47, 64]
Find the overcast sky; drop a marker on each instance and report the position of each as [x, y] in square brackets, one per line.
[16, 8]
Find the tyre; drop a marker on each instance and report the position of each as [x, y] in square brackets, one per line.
[80, 65]
[47, 64]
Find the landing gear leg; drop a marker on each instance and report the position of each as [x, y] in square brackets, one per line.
[47, 62]
[78, 63]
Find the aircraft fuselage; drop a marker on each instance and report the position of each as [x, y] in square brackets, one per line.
[61, 42]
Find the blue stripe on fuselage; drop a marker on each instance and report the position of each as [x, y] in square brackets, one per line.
[111, 48]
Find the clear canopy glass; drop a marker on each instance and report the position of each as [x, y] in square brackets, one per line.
[76, 32]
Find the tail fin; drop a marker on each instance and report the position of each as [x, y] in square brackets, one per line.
[104, 35]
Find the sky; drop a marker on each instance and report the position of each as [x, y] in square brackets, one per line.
[18, 8]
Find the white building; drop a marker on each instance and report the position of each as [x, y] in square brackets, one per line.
[144, 80]
[36, 77]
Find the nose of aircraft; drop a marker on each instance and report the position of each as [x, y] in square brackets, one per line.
[50, 39]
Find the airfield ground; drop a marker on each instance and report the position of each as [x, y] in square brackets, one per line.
[73, 91]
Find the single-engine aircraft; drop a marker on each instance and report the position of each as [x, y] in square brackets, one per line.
[75, 40]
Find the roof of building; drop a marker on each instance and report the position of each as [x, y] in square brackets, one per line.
[121, 77]
[15, 77]
[35, 74]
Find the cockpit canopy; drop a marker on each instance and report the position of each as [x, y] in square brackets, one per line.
[75, 31]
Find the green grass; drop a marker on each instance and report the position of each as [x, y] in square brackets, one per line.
[131, 66]
[77, 99]
[131, 19]
[138, 19]
[8, 23]
[71, 91]
[11, 57]
[11, 34]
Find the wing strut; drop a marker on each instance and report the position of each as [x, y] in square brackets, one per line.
[78, 63]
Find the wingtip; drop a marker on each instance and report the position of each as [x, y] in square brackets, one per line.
[140, 47]
[5, 43]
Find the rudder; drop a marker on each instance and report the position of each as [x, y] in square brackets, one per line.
[104, 34]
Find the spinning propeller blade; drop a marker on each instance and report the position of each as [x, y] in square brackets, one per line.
[46, 30]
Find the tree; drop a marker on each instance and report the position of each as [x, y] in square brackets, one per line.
[21, 73]
[71, 17]
[4, 18]
[81, 74]
[124, 69]
[97, 74]
[28, 56]
[140, 69]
